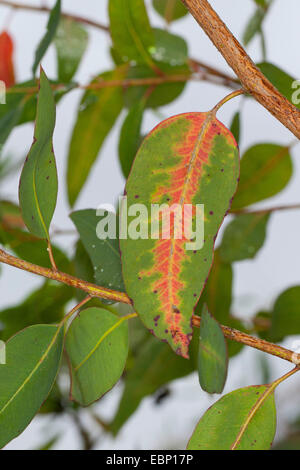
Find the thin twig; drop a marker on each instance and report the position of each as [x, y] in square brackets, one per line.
[252, 79]
[51, 257]
[265, 211]
[102, 292]
[41, 9]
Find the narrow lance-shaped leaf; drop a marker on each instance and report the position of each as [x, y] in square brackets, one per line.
[32, 361]
[38, 182]
[190, 159]
[213, 357]
[7, 74]
[130, 30]
[241, 420]
[97, 114]
[49, 36]
[71, 41]
[97, 346]
[235, 127]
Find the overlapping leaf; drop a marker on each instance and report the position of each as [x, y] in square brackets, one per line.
[130, 136]
[32, 361]
[97, 346]
[38, 182]
[170, 10]
[242, 420]
[187, 159]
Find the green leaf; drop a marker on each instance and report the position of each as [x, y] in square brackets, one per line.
[281, 80]
[38, 182]
[169, 48]
[162, 94]
[130, 136]
[97, 346]
[71, 41]
[254, 25]
[52, 26]
[241, 420]
[285, 316]
[235, 127]
[45, 305]
[213, 357]
[217, 294]
[97, 114]
[130, 29]
[32, 360]
[180, 162]
[170, 10]
[265, 171]
[104, 254]
[244, 237]
[155, 366]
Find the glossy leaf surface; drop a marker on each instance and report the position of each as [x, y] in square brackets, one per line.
[187, 159]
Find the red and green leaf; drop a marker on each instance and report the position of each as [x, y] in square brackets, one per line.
[193, 159]
[7, 74]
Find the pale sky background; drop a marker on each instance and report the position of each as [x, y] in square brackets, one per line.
[257, 282]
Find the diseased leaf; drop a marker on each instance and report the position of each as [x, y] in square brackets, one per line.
[155, 366]
[97, 346]
[7, 74]
[130, 29]
[213, 357]
[97, 114]
[52, 26]
[104, 253]
[187, 159]
[241, 420]
[170, 10]
[265, 170]
[244, 237]
[71, 41]
[32, 360]
[285, 317]
[38, 182]
[130, 136]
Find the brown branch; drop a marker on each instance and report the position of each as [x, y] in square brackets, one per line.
[253, 81]
[102, 292]
[41, 9]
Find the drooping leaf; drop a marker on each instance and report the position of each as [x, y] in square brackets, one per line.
[281, 80]
[244, 237]
[7, 74]
[32, 361]
[285, 317]
[213, 357]
[170, 10]
[217, 294]
[187, 159]
[130, 29]
[241, 420]
[71, 41]
[130, 136]
[104, 253]
[38, 182]
[45, 305]
[235, 127]
[155, 366]
[265, 170]
[97, 114]
[52, 26]
[254, 25]
[169, 48]
[97, 346]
